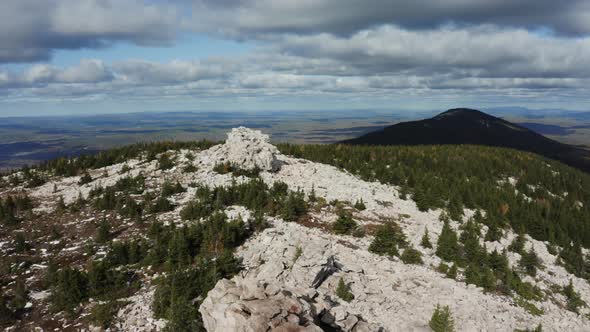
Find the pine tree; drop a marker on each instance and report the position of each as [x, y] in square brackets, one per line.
[425, 242]
[387, 239]
[20, 295]
[574, 301]
[488, 280]
[472, 275]
[447, 244]
[411, 256]
[517, 244]
[529, 261]
[441, 320]
[103, 233]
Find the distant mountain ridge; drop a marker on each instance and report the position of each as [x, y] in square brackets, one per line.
[469, 126]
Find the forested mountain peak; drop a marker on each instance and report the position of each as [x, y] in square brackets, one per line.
[243, 235]
[468, 126]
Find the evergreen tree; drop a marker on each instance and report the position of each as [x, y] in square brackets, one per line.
[488, 280]
[411, 256]
[447, 244]
[441, 320]
[425, 242]
[472, 275]
[344, 224]
[517, 244]
[387, 239]
[574, 300]
[529, 261]
[103, 232]
[20, 295]
[71, 288]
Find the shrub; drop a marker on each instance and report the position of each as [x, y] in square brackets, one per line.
[388, 238]
[86, 178]
[360, 205]
[343, 291]
[529, 307]
[102, 315]
[165, 162]
[441, 320]
[169, 189]
[344, 224]
[124, 169]
[411, 256]
[190, 168]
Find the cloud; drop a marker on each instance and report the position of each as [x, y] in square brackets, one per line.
[30, 30]
[482, 51]
[174, 72]
[247, 18]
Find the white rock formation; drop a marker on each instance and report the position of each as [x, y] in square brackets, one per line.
[249, 149]
[275, 290]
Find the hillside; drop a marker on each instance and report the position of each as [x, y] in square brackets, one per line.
[244, 235]
[467, 126]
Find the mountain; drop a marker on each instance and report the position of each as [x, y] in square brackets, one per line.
[248, 236]
[468, 126]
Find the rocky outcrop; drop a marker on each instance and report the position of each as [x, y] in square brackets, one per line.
[249, 149]
[280, 289]
[247, 304]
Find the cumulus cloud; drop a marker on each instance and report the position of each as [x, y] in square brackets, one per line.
[371, 49]
[474, 51]
[30, 29]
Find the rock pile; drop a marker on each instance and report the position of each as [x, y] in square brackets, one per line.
[249, 149]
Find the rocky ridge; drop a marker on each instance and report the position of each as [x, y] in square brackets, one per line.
[284, 291]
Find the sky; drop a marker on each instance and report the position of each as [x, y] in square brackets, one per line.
[105, 56]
